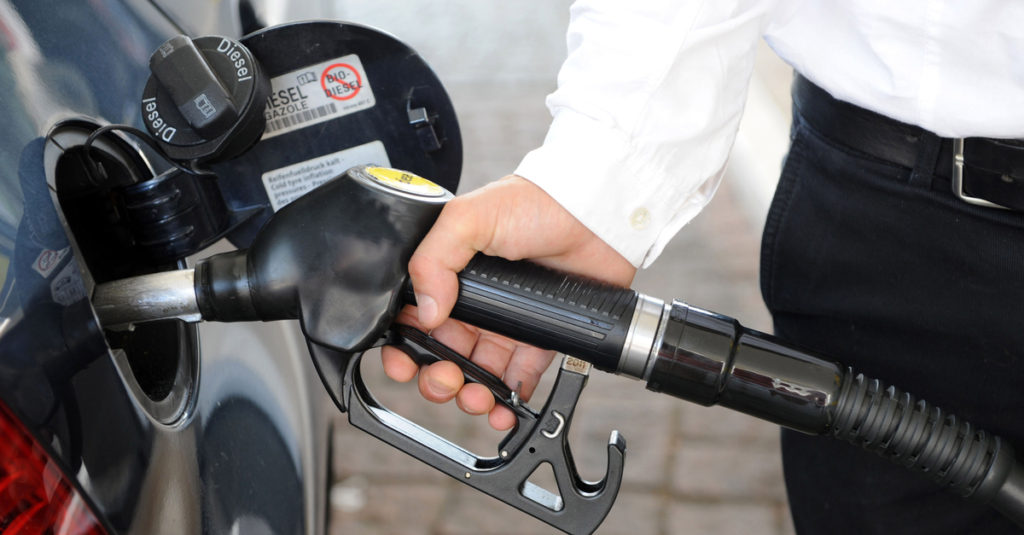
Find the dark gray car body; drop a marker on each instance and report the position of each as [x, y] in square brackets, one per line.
[150, 450]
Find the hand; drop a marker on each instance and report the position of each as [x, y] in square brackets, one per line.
[514, 219]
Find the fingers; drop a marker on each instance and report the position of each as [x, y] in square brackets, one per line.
[442, 383]
[439, 382]
[456, 335]
[523, 373]
[501, 419]
[475, 398]
[397, 365]
[520, 367]
[460, 231]
[491, 352]
[525, 368]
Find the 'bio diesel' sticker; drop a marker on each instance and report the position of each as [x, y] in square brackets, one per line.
[405, 181]
[286, 184]
[48, 260]
[318, 93]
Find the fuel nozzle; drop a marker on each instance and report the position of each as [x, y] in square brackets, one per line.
[334, 258]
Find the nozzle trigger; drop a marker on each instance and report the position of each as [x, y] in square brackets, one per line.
[579, 506]
[424, 349]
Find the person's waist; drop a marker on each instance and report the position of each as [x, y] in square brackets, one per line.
[983, 171]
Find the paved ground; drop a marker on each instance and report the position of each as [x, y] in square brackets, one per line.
[689, 469]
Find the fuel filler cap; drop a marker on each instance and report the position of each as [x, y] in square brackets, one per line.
[204, 99]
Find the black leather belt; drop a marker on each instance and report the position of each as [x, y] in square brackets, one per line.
[982, 171]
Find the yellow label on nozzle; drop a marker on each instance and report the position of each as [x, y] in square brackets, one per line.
[405, 181]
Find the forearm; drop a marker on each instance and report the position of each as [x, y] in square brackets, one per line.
[648, 104]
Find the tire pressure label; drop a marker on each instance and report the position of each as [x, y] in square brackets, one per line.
[318, 93]
[286, 184]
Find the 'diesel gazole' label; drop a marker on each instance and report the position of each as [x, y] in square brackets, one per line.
[317, 93]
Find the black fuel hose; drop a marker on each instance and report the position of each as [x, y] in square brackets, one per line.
[711, 359]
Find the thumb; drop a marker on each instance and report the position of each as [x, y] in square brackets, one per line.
[460, 231]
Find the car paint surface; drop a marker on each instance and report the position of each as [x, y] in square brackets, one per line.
[247, 451]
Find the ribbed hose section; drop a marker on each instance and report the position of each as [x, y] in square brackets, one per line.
[908, 431]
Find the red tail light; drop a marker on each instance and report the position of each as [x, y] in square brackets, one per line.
[35, 496]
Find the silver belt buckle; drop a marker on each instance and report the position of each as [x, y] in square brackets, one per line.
[958, 178]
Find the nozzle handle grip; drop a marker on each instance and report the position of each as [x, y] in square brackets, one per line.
[547, 308]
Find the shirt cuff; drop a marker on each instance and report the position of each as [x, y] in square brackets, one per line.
[620, 189]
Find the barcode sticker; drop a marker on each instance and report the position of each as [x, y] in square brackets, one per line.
[317, 93]
[304, 116]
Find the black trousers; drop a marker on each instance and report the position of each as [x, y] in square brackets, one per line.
[882, 268]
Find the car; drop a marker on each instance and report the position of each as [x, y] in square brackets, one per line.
[168, 426]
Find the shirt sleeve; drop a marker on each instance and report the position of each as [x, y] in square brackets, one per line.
[646, 111]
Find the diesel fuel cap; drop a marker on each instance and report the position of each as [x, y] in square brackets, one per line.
[204, 99]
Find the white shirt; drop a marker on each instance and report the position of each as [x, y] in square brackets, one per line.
[651, 93]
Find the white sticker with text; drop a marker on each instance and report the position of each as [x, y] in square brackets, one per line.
[67, 287]
[286, 184]
[48, 260]
[318, 93]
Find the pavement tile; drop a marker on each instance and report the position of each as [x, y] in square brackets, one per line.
[722, 424]
[367, 508]
[471, 512]
[645, 419]
[722, 519]
[635, 513]
[787, 527]
[357, 453]
[728, 470]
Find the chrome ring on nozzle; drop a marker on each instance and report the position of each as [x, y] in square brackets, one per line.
[643, 332]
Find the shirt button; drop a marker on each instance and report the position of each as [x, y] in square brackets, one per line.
[640, 218]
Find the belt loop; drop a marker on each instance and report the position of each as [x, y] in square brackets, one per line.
[928, 147]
